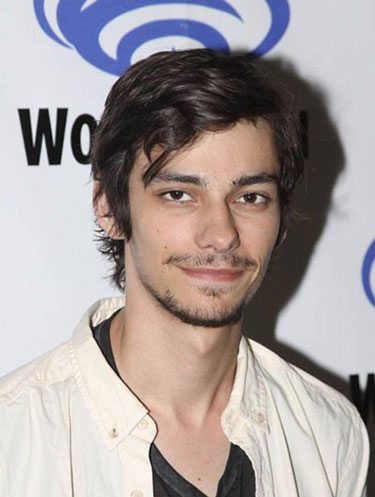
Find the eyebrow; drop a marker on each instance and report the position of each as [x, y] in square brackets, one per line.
[255, 179]
[169, 177]
[251, 179]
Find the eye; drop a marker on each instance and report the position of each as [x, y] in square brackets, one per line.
[253, 198]
[177, 196]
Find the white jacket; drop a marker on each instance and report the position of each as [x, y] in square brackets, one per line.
[70, 427]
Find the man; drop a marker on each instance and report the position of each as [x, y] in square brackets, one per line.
[194, 163]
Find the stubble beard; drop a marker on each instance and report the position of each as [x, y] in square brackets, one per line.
[197, 316]
[214, 314]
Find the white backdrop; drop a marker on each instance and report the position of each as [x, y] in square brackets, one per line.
[50, 270]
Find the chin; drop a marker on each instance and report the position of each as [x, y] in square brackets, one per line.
[210, 316]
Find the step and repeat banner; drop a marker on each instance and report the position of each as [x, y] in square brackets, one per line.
[59, 60]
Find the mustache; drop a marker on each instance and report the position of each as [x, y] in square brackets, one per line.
[211, 260]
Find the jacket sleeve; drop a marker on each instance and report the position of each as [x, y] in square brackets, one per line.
[354, 460]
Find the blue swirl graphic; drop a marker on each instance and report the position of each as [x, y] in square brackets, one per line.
[81, 27]
[280, 16]
[368, 263]
[44, 24]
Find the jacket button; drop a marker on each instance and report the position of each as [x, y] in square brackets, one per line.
[260, 418]
[136, 493]
[113, 433]
[143, 424]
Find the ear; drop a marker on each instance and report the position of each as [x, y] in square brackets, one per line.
[103, 213]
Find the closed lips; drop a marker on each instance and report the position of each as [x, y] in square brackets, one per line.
[224, 274]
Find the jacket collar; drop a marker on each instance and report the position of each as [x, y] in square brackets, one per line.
[117, 410]
[248, 398]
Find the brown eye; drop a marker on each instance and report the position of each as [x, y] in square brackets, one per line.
[177, 196]
[252, 198]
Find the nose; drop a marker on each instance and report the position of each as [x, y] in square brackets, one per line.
[217, 230]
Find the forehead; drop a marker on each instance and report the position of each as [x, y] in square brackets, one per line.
[224, 156]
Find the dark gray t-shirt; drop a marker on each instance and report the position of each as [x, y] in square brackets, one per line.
[238, 479]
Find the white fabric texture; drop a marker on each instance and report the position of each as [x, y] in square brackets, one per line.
[69, 427]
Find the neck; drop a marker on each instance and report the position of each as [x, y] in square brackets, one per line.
[182, 370]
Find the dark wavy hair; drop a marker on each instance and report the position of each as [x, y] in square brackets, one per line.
[168, 100]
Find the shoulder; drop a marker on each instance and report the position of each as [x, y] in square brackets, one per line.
[56, 371]
[306, 404]
[50, 369]
[35, 400]
[281, 375]
[35, 405]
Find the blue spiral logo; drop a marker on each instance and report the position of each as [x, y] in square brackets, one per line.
[367, 267]
[81, 27]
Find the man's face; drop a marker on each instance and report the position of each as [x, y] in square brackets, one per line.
[204, 228]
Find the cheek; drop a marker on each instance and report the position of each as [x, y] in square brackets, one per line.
[272, 230]
[159, 234]
[271, 226]
[260, 236]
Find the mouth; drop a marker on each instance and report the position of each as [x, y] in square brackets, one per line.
[214, 274]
